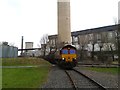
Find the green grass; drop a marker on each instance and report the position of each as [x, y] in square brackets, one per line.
[0, 74]
[0, 78]
[24, 77]
[23, 61]
[104, 70]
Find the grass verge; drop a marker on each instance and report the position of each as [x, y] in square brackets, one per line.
[24, 77]
[23, 61]
[104, 70]
[0, 74]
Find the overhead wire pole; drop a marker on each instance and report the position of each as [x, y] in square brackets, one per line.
[118, 40]
[118, 32]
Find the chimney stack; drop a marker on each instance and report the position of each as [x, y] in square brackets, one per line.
[64, 29]
[22, 46]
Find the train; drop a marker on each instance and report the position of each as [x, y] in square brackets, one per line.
[66, 57]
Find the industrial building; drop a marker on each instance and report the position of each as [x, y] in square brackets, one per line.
[30, 51]
[87, 37]
[92, 40]
[28, 45]
[7, 51]
[83, 40]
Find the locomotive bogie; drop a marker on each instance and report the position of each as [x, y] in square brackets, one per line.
[67, 65]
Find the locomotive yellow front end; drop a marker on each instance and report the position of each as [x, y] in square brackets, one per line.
[68, 57]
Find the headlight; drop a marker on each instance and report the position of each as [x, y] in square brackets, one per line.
[63, 58]
[74, 58]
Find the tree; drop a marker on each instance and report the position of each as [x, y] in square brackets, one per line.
[43, 43]
[83, 41]
[118, 42]
[44, 39]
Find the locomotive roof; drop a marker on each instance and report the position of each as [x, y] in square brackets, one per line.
[66, 46]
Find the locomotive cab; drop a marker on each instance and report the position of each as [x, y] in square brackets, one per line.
[68, 56]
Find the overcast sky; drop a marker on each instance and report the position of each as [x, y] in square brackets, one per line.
[33, 18]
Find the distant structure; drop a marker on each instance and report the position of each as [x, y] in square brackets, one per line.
[29, 51]
[7, 51]
[64, 29]
[22, 46]
[29, 45]
[85, 37]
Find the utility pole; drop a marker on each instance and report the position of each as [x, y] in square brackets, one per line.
[118, 35]
[118, 41]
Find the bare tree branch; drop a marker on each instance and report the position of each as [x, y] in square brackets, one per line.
[43, 43]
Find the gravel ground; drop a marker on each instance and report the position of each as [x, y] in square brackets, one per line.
[80, 81]
[107, 80]
[57, 79]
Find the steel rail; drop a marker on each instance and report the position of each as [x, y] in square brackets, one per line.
[72, 82]
[93, 81]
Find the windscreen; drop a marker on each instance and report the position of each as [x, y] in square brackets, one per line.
[64, 51]
[72, 51]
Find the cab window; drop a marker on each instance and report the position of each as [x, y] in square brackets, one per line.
[65, 51]
[72, 51]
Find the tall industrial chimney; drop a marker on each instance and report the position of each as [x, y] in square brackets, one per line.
[64, 29]
[22, 46]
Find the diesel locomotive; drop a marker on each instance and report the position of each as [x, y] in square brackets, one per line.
[66, 57]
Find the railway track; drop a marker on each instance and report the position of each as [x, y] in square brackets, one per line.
[74, 86]
[79, 80]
